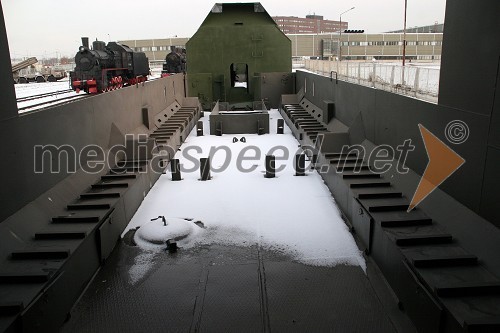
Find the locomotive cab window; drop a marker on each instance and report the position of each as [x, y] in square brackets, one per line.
[239, 75]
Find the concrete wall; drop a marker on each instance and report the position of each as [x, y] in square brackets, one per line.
[99, 120]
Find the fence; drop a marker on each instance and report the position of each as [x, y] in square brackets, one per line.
[418, 82]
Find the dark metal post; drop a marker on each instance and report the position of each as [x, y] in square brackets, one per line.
[281, 126]
[175, 167]
[205, 169]
[171, 245]
[199, 128]
[300, 165]
[218, 128]
[270, 166]
[404, 39]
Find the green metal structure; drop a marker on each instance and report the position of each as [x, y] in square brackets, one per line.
[235, 43]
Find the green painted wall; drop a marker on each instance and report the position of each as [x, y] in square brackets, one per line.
[237, 35]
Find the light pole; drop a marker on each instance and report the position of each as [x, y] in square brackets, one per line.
[340, 33]
[404, 35]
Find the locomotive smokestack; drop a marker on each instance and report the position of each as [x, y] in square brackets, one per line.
[85, 42]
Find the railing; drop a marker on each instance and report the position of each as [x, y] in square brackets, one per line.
[413, 81]
[298, 63]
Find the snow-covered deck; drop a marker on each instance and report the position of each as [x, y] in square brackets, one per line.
[294, 215]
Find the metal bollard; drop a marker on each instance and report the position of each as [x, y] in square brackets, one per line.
[199, 128]
[175, 168]
[205, 169]
[300, 165]
[218, 128]
[270, 166]
[281, 126]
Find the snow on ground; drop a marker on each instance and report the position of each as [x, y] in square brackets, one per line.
[296, 216]
[33, 88]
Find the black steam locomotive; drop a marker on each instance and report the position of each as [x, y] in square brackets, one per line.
[175, 62]
[107, 67]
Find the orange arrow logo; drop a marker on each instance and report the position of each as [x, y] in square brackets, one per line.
[443, 162]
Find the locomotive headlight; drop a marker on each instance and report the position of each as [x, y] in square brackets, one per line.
[82, 48]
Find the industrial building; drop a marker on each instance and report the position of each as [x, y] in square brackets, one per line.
[311, 24]
[434, 28]
[155, 49]
[385, 46]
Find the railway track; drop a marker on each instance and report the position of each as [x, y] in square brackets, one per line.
[51, 102]
[21, 101]
[48, 94]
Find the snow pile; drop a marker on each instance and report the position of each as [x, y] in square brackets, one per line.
[296, 216]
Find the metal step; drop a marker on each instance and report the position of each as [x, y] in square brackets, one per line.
[362, 174]
[60, 235]
[10, 308]
[109, 185]
[128, 163]
[123, 170]
[340, 155]
[83, 206]
[440, 261]
[343, 168]
[99, 195]
[423, 239]
[380, 195]
[39, 254]
[27, 277]
[370, 183]
[469, 288]
[76, 219]
[387, 207]
[119, 176]
[405, 223]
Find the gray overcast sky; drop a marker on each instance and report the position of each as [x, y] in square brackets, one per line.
[44, 27]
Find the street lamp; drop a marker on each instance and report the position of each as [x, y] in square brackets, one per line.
[404, 35]
[340, 33]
